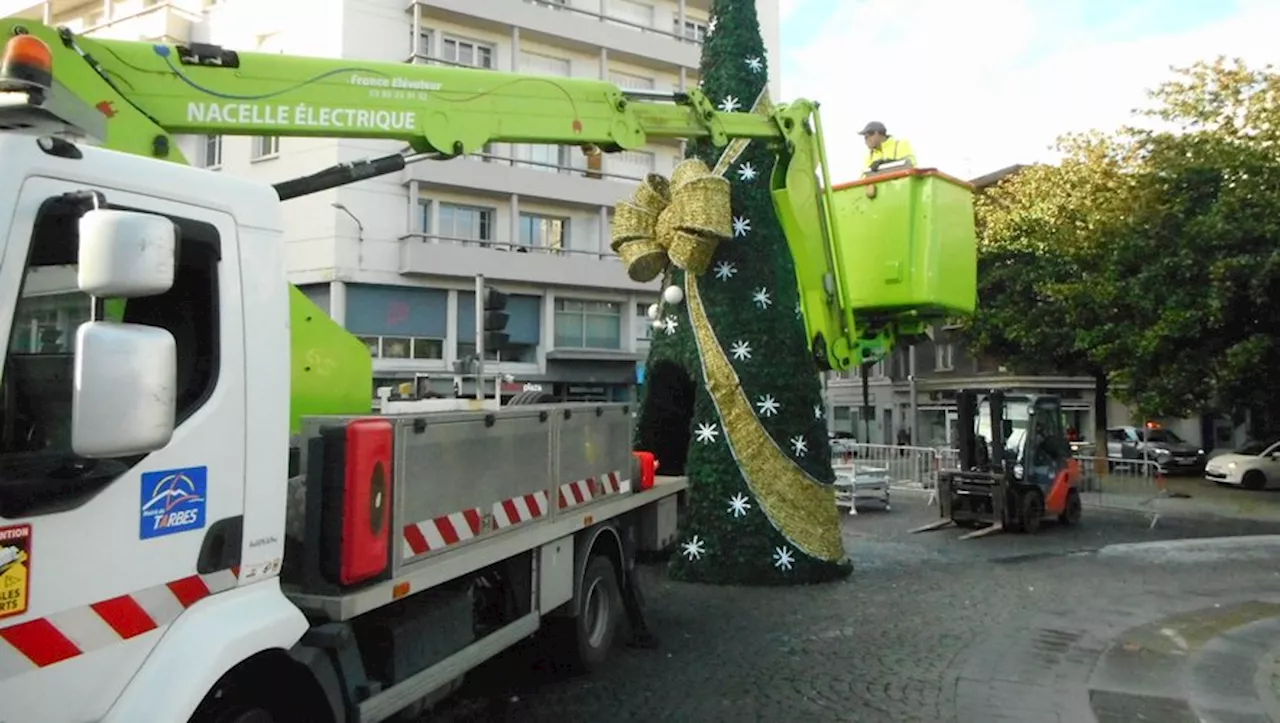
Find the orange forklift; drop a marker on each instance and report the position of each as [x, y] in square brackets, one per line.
[1016, 466]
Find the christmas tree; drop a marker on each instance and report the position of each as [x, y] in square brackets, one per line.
[732, 398]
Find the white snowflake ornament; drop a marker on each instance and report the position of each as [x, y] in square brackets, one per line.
[730, 104]
[767, 405]
[694, 548]
[755, 64]
[761, 298]
[817, 411]
[746, 172]
[783, 559]
[739, 505]
[740, 350]
[670, 324]
[707, 432]
[741, 226]
[725, 270]
[799, 446]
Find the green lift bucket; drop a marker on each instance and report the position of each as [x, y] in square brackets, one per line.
[908, 245]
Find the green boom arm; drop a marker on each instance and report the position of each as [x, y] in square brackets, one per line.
[134, 96]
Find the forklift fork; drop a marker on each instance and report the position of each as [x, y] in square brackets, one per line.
[932, 526]
[989, 530]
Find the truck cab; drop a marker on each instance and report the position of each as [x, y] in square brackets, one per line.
[141, 467]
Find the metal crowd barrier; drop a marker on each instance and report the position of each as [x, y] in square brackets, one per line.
[906, 465]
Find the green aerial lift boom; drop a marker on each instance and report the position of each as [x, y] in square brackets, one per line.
[871, 267]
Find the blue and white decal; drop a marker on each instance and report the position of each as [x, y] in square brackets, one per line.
[173, 501]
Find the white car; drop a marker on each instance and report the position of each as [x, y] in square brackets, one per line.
[1254, 466]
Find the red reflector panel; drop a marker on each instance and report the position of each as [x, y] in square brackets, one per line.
[648, 470]
[366, 502]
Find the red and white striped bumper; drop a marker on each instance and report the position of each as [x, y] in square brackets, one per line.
[71, 633]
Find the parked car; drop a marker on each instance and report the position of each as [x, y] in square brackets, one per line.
[858, 483]
[1171, 454]
[1255, 465]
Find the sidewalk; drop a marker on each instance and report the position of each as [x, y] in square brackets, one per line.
[1186, 497]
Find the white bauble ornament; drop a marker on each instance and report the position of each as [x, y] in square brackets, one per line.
[657, 324]
[673, 294]
[653, 311]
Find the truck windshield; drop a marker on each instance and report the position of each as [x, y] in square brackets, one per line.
[1016, 414]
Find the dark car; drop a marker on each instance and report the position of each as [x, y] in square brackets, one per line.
[1169, 452]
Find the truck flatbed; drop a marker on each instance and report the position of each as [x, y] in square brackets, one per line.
[470, 557]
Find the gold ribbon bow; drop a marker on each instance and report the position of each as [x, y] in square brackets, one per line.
[680, 221]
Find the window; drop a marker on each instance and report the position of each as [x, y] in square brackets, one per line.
[693, 30]
[584, 324]
[467, 52]
[628, 81]
[424, 216]
[419, 42]
[942, 356]
[548, 232]
[36, 388]
[540, 156]
[631, 14]
[465, 223]
[212, 155]
[404, 347]
[265, 147]
[644, 325]
[631, 164]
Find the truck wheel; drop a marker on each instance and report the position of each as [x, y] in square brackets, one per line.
[1031, 510]
[588, 637]
[1071, 515]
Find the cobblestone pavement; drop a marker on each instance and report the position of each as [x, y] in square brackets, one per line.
[1006, 628]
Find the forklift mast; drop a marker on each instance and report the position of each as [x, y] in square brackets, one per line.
[976, 452]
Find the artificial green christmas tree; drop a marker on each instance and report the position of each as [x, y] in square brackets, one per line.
[732, 398]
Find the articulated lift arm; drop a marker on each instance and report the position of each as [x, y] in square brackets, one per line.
[134, 96]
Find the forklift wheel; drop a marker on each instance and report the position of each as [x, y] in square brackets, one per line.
[1031, 510]
[1071, 515]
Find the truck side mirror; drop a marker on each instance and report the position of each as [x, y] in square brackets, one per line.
[124, 398]
[125, 254]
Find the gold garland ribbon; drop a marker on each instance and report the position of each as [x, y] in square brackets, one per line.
[681, 222]
[799, 506]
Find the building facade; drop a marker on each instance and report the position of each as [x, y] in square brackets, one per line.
[394, 258]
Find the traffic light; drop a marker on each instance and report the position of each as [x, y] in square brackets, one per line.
[495, 319]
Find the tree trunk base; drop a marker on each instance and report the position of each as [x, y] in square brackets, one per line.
[803, 572]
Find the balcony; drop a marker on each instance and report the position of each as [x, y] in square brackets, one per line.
[148, 20]
[579, 24]
[504, 175]
[428, 255]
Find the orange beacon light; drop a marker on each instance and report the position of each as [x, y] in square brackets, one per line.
[27, 64]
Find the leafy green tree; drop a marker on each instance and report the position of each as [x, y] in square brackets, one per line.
[761, 508]
[1043, 239]
[1203, 273]
[1148, 258]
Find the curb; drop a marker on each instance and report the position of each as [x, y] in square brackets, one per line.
[1267, 683]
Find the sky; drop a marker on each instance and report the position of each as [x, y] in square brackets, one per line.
[977, 85]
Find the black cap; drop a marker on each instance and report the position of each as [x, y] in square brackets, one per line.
[874, 127]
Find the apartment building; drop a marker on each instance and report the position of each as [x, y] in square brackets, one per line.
[394, 258]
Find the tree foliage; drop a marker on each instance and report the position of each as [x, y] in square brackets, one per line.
[1149, 258]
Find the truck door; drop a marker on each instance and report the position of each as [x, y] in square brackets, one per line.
[111, 551]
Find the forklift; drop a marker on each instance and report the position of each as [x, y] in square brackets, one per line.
[1016, 466]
